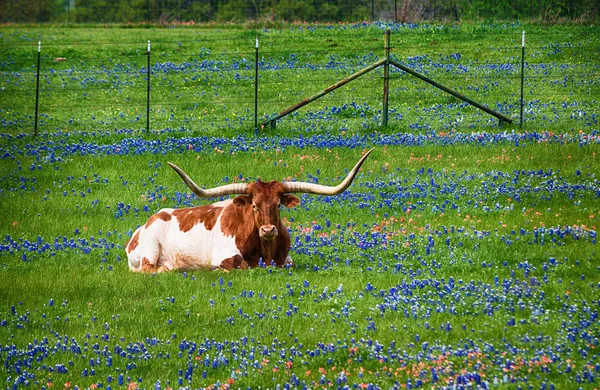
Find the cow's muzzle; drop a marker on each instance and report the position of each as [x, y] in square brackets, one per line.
[268, 232]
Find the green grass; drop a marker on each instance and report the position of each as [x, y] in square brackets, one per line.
[134, 308]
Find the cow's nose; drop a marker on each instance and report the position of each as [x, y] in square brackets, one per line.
[268, 231]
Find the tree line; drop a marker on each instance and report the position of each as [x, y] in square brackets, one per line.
[200, 11]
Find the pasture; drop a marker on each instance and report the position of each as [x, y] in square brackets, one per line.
[463, 255]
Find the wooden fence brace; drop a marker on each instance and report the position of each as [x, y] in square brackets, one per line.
[386, 61]
[451, 92]
[327, 90]
[37, 89]
[148, 93]
[386, 78]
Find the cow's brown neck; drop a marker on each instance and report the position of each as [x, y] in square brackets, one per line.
[268, 250]
[248, 240]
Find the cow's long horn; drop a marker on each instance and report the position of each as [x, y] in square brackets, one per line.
[318, 189]
[228, 189]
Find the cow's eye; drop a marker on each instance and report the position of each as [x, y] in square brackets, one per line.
[254, 208]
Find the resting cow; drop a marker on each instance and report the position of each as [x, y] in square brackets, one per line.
[234, 233]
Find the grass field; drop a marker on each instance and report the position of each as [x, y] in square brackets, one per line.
[464, 255]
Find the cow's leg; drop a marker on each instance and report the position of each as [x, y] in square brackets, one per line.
[288, 262]
[145, 256]
[235, 262]
[152, 268]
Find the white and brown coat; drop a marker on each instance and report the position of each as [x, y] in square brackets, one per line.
[235, 233]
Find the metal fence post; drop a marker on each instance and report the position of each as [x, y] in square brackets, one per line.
[148, 93]
[372, 11]
[522, 72]
[37, 88]
[256, 88]
[386, 78]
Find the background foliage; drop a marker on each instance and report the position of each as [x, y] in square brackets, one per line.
[199, 11]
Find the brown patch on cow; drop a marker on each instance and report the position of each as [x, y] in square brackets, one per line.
[238, 222]
[186, 262]
[189, 217]
[235, 262]
[146, 266]
[163, 215]
[133, 242]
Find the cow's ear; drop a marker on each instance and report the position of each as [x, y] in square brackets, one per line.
[242, 200]
[290, 201]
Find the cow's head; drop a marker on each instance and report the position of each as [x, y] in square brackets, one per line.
[267, 198]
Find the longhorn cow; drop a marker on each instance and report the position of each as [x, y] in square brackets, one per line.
[234, 233]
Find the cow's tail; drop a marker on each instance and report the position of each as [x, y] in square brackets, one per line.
[133, 257]
[135, 264]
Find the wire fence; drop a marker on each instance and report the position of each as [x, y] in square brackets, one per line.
[214, 83]
[202, 11]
